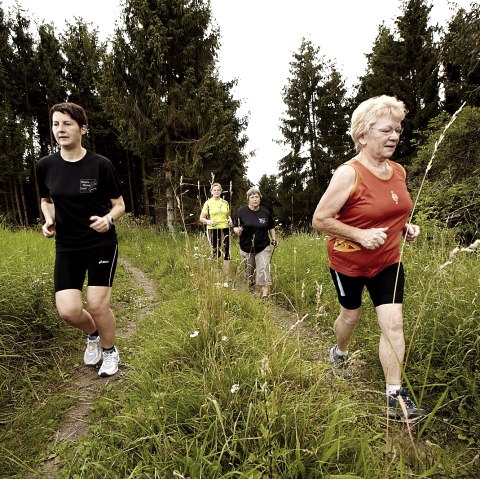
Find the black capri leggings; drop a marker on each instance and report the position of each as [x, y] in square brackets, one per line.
[219, 237]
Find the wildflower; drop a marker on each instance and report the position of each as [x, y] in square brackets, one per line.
[264, 367]
[194, 334]
[224, 338]
[469, 249]
[235, 388]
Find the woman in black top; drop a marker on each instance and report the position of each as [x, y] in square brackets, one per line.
[81, 200]
[256, 230]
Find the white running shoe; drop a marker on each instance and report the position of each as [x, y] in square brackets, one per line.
[110, 363]
[93, 352]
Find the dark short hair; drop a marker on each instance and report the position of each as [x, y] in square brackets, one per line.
[75, 111]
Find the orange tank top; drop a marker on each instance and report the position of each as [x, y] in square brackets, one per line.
[373, 203]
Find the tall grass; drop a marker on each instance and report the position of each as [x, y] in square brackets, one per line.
[216, 389]
[38, 352]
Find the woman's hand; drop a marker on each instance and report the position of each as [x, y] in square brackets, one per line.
[100, 223]
[372, 238]
[411, 232]
[238, 230]
[211, 223]
[48, 229]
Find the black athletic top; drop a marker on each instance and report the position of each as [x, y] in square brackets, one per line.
[79, 189]
[256, 225]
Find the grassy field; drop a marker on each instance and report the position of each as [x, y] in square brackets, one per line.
[214, 383]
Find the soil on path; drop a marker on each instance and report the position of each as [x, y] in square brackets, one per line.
[87, 385]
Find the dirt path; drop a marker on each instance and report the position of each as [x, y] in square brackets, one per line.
[87, 385]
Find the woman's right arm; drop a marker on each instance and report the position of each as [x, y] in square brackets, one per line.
[237, 228]
[332, 201]
[203, 218]
[48, 210]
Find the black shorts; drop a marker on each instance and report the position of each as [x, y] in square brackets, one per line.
[384, 288]
[71, 267]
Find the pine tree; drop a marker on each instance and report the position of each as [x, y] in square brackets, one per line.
[51, 82]
[315, 130]
[406, 65]
[160, 67]
[460, 56]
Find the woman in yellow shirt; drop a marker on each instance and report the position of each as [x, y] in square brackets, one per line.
[216, 216]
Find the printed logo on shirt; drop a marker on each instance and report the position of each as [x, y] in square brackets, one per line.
[103, 261]
[88, 186]
[345, 246]
[394, 197]
[262, 221]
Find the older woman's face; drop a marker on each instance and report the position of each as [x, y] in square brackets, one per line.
[381, 140]
[254, 199]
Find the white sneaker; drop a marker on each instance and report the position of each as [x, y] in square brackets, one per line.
[93, 352]
[110, 363]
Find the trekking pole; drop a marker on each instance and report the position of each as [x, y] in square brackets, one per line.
[274, 243]
[230, 223]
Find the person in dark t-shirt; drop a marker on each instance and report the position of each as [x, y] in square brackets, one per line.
[81, 200]
[253, 224]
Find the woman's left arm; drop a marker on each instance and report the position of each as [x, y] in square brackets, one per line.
[103, 223]
[273, 235]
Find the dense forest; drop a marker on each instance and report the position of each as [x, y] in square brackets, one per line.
[159, 110]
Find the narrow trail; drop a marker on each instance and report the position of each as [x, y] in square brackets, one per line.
[86, 385]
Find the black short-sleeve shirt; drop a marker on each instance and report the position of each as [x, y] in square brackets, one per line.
[79, 190]
[256, 225]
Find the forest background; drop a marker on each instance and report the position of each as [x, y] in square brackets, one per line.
[160, 111]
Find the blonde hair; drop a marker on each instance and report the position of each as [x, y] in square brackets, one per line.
[369, 111]
[213, 186]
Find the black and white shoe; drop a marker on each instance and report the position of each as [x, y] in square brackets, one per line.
[401, 408]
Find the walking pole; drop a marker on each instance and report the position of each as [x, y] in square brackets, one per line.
[274, 244]
[230, 230]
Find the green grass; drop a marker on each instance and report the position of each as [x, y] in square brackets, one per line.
[216, 389]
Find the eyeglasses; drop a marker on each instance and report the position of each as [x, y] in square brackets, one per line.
[388, 131]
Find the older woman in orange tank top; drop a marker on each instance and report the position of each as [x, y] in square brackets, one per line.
[365, 212]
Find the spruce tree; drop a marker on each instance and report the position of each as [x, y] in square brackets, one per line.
[460, 57]
[314, 129]
[159, 88]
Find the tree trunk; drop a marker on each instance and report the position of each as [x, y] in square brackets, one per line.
[130, 186]
[170, 197]
[16, 202]
[34, 172]
[146, 198]
[23, 200]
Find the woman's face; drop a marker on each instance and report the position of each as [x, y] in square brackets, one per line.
[254, 200]
[381, 140]
[216, 191]
[66, 130]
